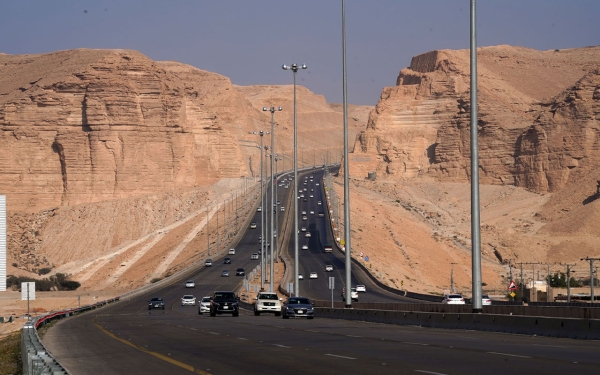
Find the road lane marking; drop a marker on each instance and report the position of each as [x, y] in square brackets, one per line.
[241, 338]
[154, 354]
[310, 330]
[339, 356]
[214, 333]
[282, 346]
[430, 372]
[551, 346]
[509, 355]
[352, 336]
[414, 343]
[467, 337]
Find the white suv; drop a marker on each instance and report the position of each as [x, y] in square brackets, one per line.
[267, 303]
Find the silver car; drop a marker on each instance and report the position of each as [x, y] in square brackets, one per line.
[298, 307]
[204, 305]
[188, 300]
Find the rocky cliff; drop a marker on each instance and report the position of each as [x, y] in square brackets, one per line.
[538, 118]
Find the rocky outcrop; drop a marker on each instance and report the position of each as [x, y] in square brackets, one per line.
[538, 118]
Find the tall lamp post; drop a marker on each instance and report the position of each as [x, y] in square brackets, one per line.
[272, 183]
[294, 68]
[262, 214]
[277, 158]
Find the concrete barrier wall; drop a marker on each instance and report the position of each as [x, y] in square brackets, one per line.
[542, 326]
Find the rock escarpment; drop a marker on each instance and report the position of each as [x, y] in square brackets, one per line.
[538, 118]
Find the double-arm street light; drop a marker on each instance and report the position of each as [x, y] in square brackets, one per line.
[272, 183]
[294, 68]
[262, 213]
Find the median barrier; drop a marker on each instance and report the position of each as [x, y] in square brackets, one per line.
[528, 325]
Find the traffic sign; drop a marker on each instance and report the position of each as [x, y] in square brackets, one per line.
[512, 286]
[512, 294]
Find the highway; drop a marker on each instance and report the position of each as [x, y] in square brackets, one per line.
[127, 338]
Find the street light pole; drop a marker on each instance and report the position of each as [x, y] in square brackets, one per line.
[452, 277]
[272, 183]
[262, 214]
[294, 68]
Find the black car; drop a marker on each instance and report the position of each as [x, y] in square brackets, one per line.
[224, 303]
[227, 261]
[156, 303]
[240, 272]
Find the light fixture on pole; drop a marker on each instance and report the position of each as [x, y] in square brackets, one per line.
[262, 213]
[272, 183]
[294, 68]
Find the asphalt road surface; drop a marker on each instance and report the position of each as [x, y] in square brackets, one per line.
[127, 338]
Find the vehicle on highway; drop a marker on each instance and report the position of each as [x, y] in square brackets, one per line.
[328, 248]
[313, 275]
[156, 303]
[240, 272]
[304, 218]
[231, 252]
[259, 209]
[353, 294]
[267, 302]
[300, 276]
[361, 288]
[328, 268]
[317, 184]
[307, 234]
[225, 273]
[254, 256]
[304, 200]
[224, 303]
[485, 300]
[303, 213]
[304, 247]
[321, 214]
[298, 307]
[204, 305]
[208, 263]
[252, 225]
[303, 229]
[188, 300]
[312, 212]
[311, 196]
[453, 299]
[227, 261]
[282, 208]
[190, 284]
[319, 203]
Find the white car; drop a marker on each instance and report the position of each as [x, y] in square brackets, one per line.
[190, 284]
[312, 212]
[313, 275]
[304, 218]
[300, 276]
[319, 203]
[453, 299]
[267, 302]
[317, 184]
[303, 213]
[485, 300]
[258, 209]
[307, 234]
[254, 256]
[204, 305]
[303, 229]
[304, 247]
[231, 251]
[282, 208]
[328, 268]
[312, 196]
[361, 288]
[353, 294]
[208, 263]
[188, 300]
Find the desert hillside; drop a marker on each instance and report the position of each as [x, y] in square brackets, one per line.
[107, 152]
[539, 150]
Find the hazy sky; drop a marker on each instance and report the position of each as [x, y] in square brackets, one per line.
[249, 40]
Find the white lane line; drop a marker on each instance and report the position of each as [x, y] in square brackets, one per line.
[430, 372]
[241, 338]
[339, 356]
[279, 327]
[414, 343]
[282, 346]
[551, 346]
[194, 329]
[310, 330]
[509, 355]
[467, 337]
[214, 333]
[352, 336]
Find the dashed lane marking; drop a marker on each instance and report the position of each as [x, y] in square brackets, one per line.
[339, 356]
[414, 343]
[509, 355]
[282, 346]
[430, 372]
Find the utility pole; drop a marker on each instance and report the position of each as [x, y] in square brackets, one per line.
[452, 277]
[592, 279]
[568, 280]
[207, 233]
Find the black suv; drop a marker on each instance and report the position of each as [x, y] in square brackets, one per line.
[224, 303]
[156, 303]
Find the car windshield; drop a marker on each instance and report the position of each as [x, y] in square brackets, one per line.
[156, 299]
[188, 297]
[206, 299]
[485, 296]
[224, 295]
[298, 301]
[268, 296]
[454, 296]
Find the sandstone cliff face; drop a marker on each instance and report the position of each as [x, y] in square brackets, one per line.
[527, 101]
[86, 126]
